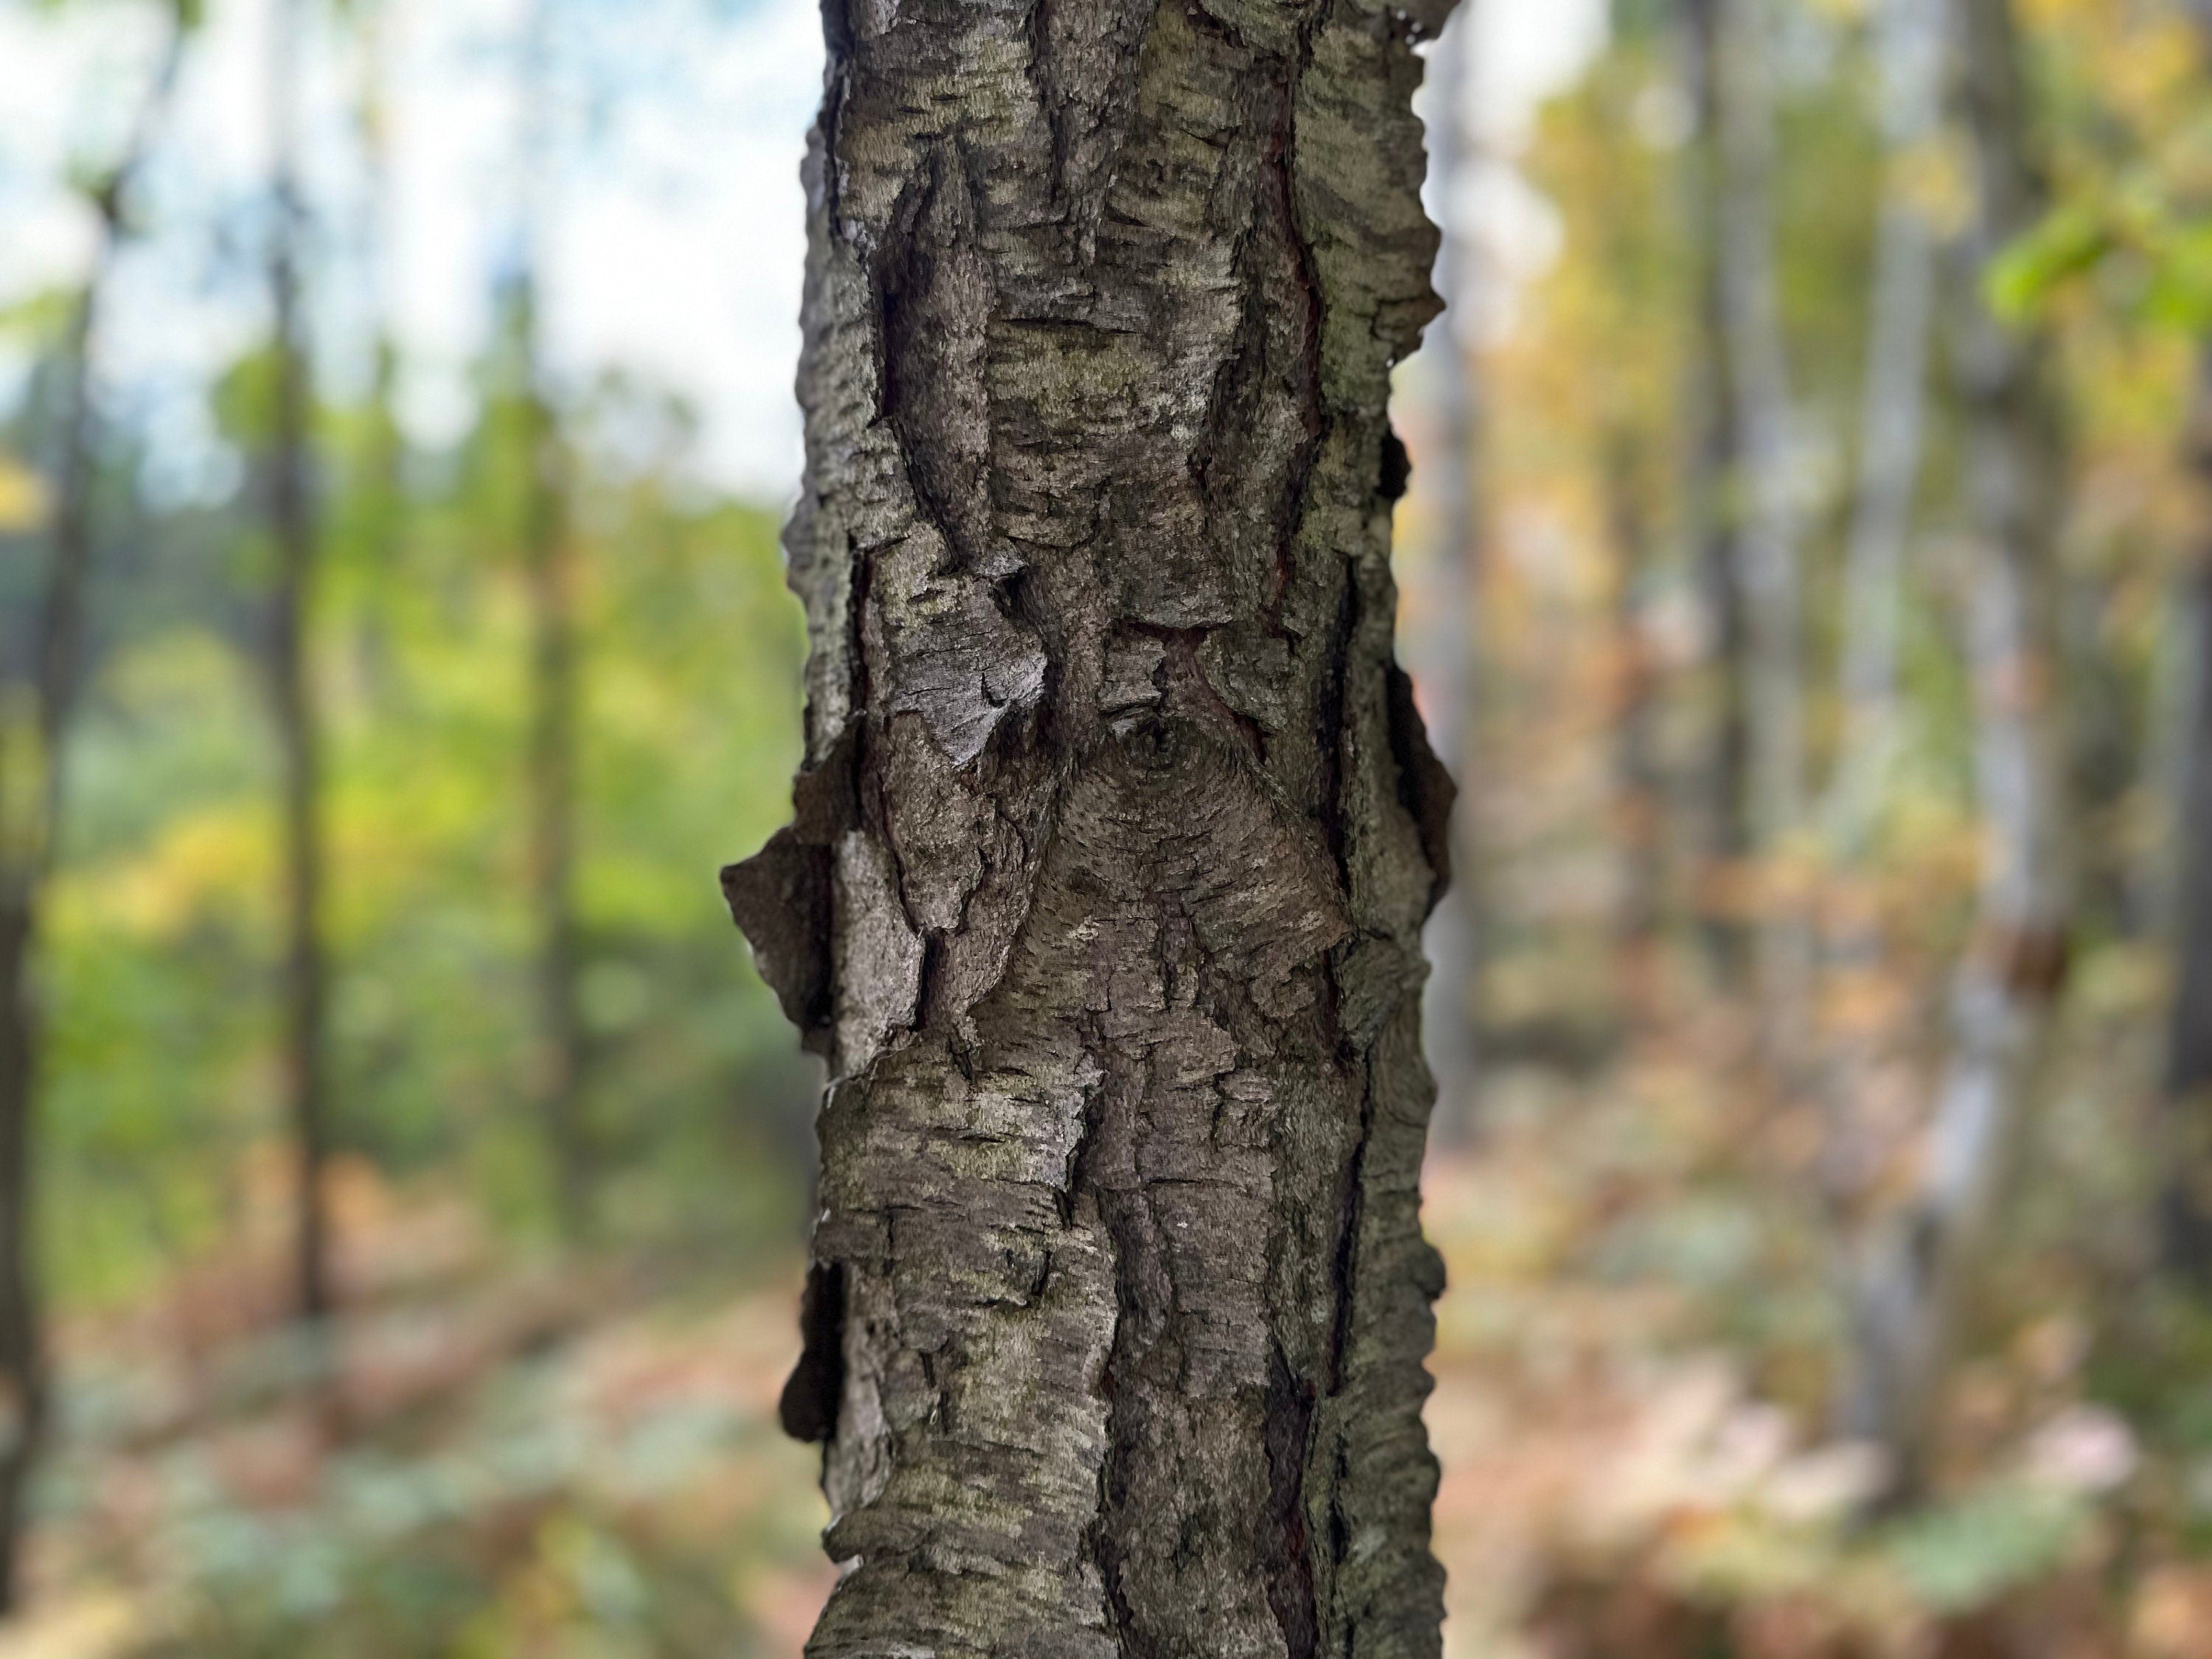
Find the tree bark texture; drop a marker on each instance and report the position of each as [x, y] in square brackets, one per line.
[1925, 1268]
[1116, 833]
[292, 526]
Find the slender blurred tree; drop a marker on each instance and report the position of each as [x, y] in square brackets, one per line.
[378, 497]
[1639, 781]
[1908, 38]
[1925, 1268]
[1762, 452]
[2185, 1205]
[1116, 834]
[34, 753]
[289, 493]
[1714, 515]
[549, 551]
[2185, 1231]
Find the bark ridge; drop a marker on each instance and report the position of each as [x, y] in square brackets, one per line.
[1117, 832]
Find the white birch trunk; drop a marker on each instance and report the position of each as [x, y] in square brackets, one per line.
[1892, 421]
[1908, 38]
[1923, 1269]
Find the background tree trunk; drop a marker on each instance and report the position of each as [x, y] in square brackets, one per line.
[2186, 1207]
[550, 560]
[1116, 834]
[1715, 524]
[1909, 40]
[292, 526]
[33, 818]
[1908, 37]
[1445, 639]
[1925, 1268]
[1639, 781]
[1755, 360]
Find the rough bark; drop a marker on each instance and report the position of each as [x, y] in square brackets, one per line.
[292, 526]
[1925, 1268]
[1443, 642]
[1116, 833]
[26, 859]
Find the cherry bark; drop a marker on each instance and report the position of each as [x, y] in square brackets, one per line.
[1117, 832]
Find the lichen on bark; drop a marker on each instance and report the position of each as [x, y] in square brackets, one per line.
[1116, 832]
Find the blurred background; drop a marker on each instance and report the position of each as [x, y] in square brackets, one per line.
[402, 1174]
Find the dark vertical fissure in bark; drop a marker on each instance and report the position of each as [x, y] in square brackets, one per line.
[1117, 832]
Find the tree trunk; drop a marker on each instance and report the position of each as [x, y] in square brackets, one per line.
[1909, 39]
[1116, 833]
[2185, 1205]
[292, 525]
[381, 490]
[1715, 526]
[550, 560]
[1640, 784]
[1755, 360]
[1445, 639]
[1892, 418]
[1926, 1267]
[27, 856]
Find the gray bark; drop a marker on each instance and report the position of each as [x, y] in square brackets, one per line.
[292, 525]
[1755, 360]
[1908, 41]
[1924, 1270]
[1116, 833]
[1443, 642]
[1908, 37]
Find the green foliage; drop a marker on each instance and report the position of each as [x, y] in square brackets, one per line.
[164, 929]
[1966, 1554]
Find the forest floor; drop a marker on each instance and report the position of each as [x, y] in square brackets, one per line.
[511, 1455]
